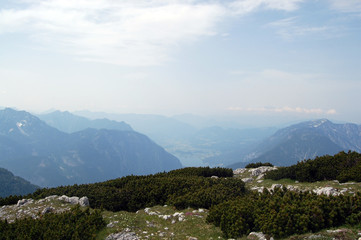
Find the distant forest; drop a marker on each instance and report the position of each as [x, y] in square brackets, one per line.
[12, 185]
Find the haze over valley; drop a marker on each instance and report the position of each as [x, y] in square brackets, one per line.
[60, 148]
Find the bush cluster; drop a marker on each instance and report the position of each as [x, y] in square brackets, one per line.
[10, 200]
[75, 224]
[342, 166]
[258, 164]
[284, 213]
[182, 188]
[202, 172]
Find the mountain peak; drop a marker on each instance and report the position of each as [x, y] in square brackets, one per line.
[319, 122]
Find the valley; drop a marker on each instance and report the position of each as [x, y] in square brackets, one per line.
[144, 192]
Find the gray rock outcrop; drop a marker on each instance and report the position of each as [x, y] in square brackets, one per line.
[329, 191]
[47, 210]
[258, 236]
[84, 202]
[247, 180]
[24, 202]
[255, 172]
[124, 235]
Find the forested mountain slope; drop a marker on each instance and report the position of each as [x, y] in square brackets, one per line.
[306, 140]
[48, 157]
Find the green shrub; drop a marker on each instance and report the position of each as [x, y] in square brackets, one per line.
[75, 224]
[342, 166]
[258, 164]
[189, 187]
[284, 213]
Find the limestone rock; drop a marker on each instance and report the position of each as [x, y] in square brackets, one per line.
[276, 186]
[52, 197]
[261, 170]
[73, 200]
[247, 180]
[239, 171]
[258, 189]
[315, 236]
[84, 202]
[125, 235]
[257, 236]
[329, 191]
[47, 210]
[22, 202]
[111, 224]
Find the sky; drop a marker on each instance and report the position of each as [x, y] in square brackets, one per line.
[265, 59]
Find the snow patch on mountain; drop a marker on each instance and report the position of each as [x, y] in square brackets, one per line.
[20, 126]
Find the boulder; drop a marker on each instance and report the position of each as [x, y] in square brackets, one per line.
[239, 171]
[47, 210]
[276, 186]
[125, 235]
[73, 200]
[22, 202]
[84, 202]
[258, 189]
[52, 197]
[111, 224]
[292, 188]
[329, 191]
[247, 180]
[165, 217]
[261, 170]
[258, 236]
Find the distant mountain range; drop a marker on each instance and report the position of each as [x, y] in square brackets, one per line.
[305, 140]
[42, 154]
[12, 185]
[196, 141]
[160, 128]
[69, 123]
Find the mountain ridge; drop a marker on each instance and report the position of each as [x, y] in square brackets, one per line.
[14, 185]
[305, 140]
[69, 123]
[48, 157]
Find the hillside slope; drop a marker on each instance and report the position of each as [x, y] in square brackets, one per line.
[306, 140]
[48, 157]
[12, 185]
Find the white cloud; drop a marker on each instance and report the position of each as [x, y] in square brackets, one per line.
[246, 6]
[346, 5]
[127, 32]
[285, 109]
[288, 29]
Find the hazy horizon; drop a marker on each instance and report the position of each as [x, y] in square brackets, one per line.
[262, 62]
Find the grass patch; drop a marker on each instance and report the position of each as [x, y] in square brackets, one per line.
[148, 226]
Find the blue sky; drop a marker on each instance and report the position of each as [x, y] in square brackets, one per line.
[299, 59]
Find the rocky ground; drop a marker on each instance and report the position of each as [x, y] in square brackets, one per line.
[36, 208]
[254, 179]
[166, 222]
